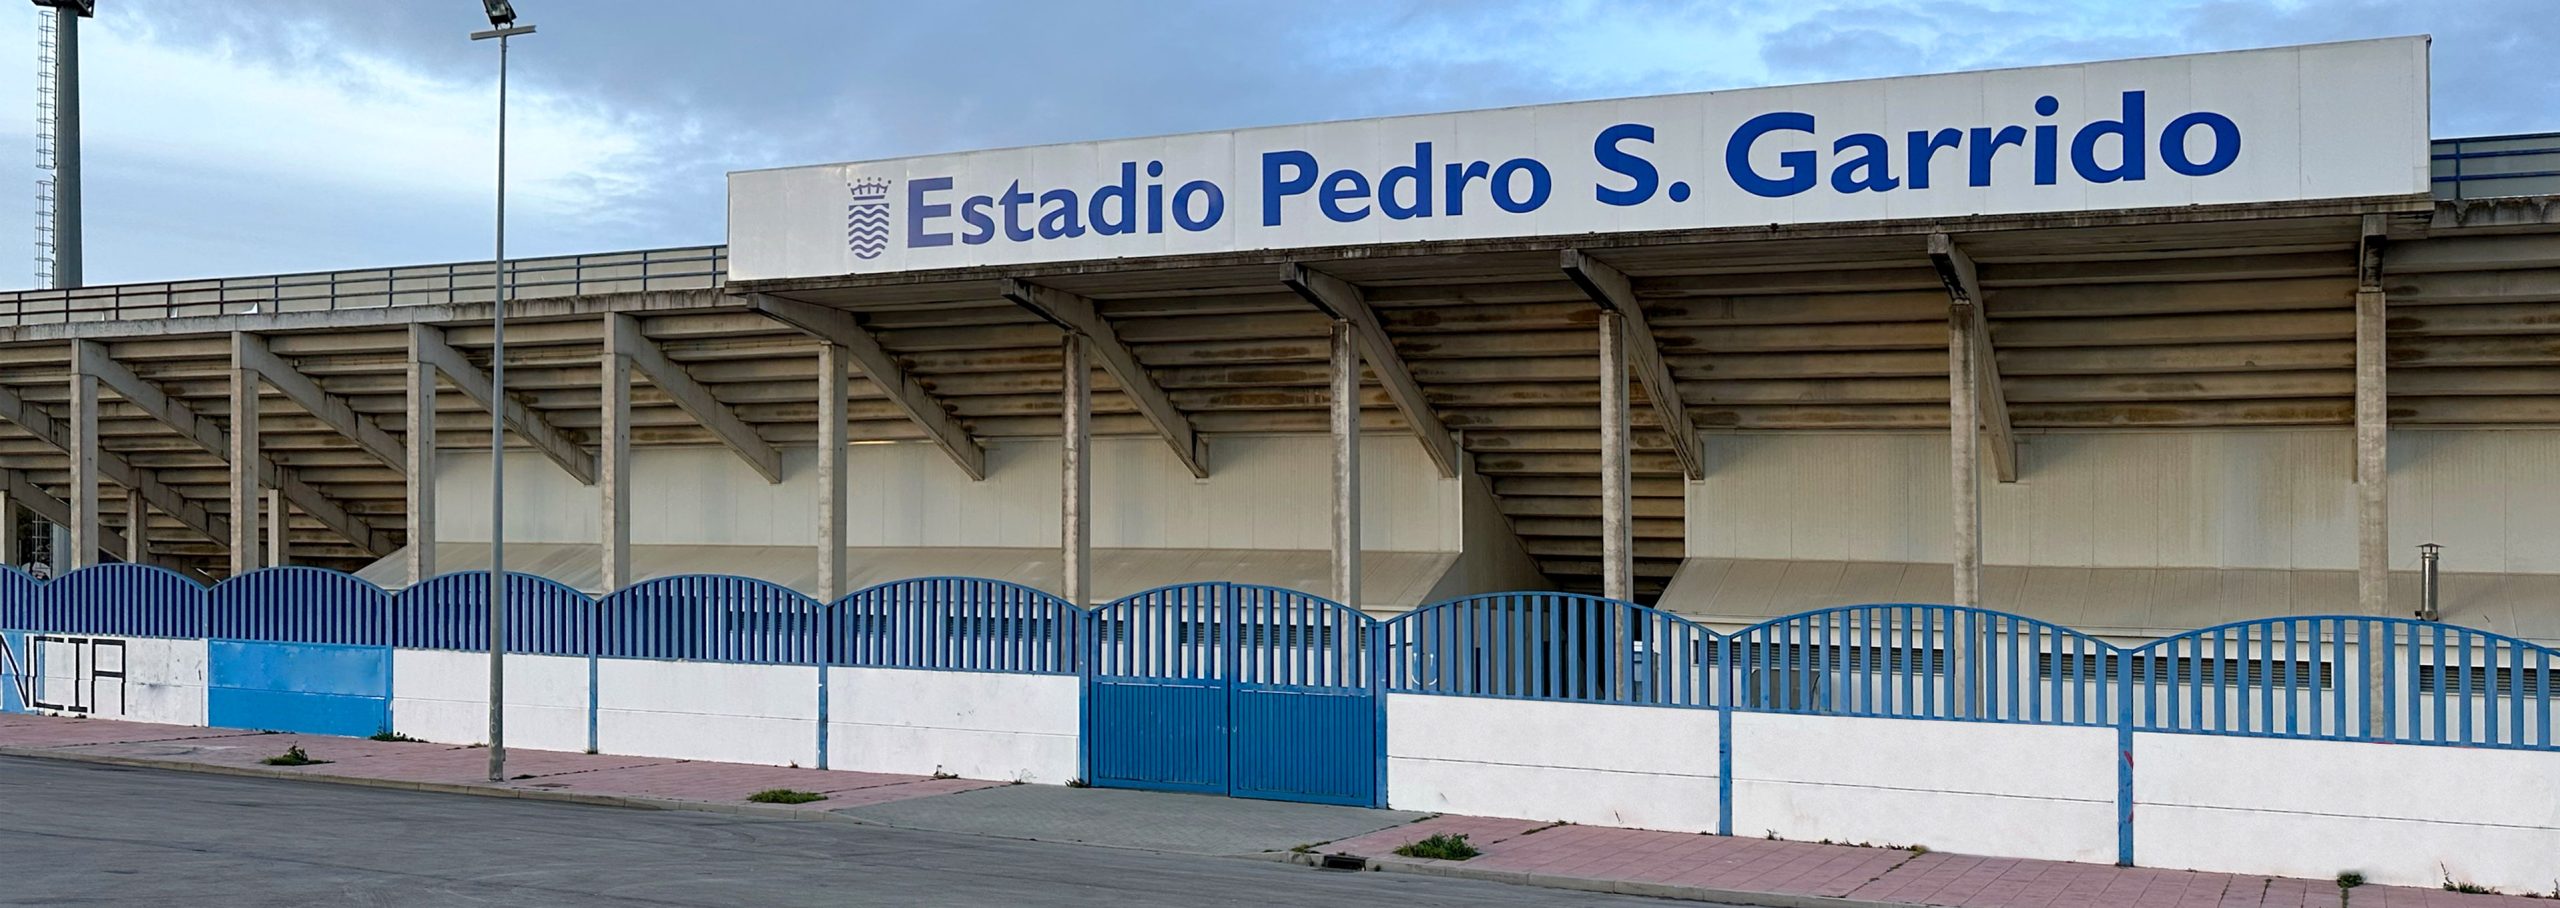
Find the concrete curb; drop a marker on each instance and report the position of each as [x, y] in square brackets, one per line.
[1461, 871]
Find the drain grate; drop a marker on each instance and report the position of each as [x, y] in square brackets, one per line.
[1343, 862]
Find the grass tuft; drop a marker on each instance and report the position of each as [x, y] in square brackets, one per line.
[292, 756]
[1439, 847]
[389, 735]
[785, 796]
[2350, 879]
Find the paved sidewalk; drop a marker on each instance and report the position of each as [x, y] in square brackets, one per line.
[1595, 858]
[1766, 871]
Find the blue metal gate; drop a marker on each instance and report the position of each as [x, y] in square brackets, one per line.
[1248, 691]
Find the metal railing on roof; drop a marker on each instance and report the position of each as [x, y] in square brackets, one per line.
[2491, 166]
[675, 268]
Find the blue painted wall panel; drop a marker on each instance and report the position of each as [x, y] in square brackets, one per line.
[306, 687]
[1311, 746]
[13, 653]
[1162, 736]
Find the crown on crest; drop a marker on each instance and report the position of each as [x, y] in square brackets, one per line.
[871, 188]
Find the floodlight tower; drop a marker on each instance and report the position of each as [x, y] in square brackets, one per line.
[58, 186]
[58, 141]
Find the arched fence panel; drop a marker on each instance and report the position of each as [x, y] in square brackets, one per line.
[19, 595]
[955, 623]
[1554, 646]
[122, 600]
[451, 612]
[301, 605]
[1927, 662]
[2345, 677]
[299, 649]
[712, 617]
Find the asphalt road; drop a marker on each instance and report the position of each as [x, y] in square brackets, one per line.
[82, 834]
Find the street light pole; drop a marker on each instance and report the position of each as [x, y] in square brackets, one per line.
[502, 17]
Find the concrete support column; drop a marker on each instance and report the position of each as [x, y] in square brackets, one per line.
[2373, 485]
[1075, 486]
[84, 469]
[137, 522]
[245, 489]
[834, 384]
[1617, 530]
[276, 523]
[1346, 464]
[613, 469]
[1964, 459]
[421, 442]
[8, 528]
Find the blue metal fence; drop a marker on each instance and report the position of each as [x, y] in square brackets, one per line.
[451, 612]
[299, 605]
[710, 616]
[18, 596]
[2308, 677]
[128, 600]
[1554, 646]
[958, 624]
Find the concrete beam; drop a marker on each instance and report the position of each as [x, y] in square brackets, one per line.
[84, 462]
[1346, 463]
[17, 411]
[1347, 304]
[1608, 287]
[278, 520]
[243, 456]
[1617, 537]
[251, 351]
[137, 528]
[427, 343]
[420, 389]
[1076, 315]
[1965, 302]
[213, 439]
[614, 441]
[1075, 464]
[1964, 459]
[2373, 467]
[626, 341]
[842, 332]
[833, 385]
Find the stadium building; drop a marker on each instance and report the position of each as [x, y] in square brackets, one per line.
[2219, 336]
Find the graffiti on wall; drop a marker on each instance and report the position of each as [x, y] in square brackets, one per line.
[71, 675]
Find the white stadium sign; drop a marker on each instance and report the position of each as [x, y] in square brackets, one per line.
[2323, 121]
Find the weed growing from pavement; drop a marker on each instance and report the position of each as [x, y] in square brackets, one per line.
[389, 735]
[2464, 886]
[1440, 846]
[292, 756]
[785, 796]
[1078, 783]
[939, 774]
[2350, 879]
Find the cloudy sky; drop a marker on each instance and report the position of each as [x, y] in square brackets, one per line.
[241, 137]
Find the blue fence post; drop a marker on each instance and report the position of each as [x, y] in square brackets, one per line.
[1725, 650]
[2124, 758]
[1087, 653]
[825, 629]
[1377, 638]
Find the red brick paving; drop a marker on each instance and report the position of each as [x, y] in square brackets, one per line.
[1530, 846]
[1876, 874]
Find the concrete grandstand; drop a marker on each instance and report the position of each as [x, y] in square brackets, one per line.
[2167, 408]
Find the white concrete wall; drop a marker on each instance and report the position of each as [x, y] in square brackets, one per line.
[2263, 498]
[437, 695]
[1263, 492]
[976, 725]
[1640, 766]
[164, 679]
[2399, 814]
[708, 711]
[2011, 790]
